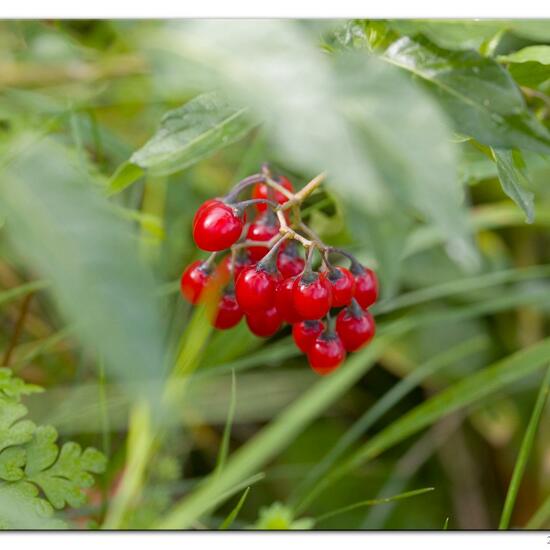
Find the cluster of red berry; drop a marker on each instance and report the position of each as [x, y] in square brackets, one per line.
[266, 279]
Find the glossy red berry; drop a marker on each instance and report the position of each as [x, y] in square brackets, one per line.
[255, 288]
[229, 312]
[355, 327]
[327, 353]
[194, 280]
[343, 286]
[366, 286]
[217, 227]
[284, 301]
[265, 322]
[262, 229]
[312, 296]
[204, 207]
[289, 261]
[262, 191]
[305, 333]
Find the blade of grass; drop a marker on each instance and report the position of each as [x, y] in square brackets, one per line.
[383, 405]
[139, 445]
[459, 286]
[268, 442]
[524, 452]
[228, 521]
[374, 502]
[7, 296]
[224, 447]
[446, 524]
[459, 395]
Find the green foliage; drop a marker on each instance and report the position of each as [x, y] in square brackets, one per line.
[435, 139]
[278, 517]
[35, 473]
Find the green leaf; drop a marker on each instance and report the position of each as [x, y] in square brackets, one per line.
[61, 474]
[228, 521]
[13, 388]
[524, 452]
[126, 174]
[477, 93]
[62, 226]
[514, 181]
[529, 66]
[192, 132]
[13, 430]
[12, 461]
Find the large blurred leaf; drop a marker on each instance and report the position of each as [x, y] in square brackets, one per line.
[479, 94]
[68, 233]
[380, 138]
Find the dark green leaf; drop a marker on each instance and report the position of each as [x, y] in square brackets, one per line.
[477, 93]
[514, 181]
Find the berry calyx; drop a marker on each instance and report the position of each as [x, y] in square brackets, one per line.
[263, 229]
[229, 312]
[217, 226]
[366, 285]
[284, 301]
[343, 285]
[327, 353]
[263, 191]
[265, 322]
[289, 261]
[255, 288]
[305, 333]
[355, 327]
[194, 280]
[312, 295]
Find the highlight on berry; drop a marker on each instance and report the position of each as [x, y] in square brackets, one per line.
[268, 266]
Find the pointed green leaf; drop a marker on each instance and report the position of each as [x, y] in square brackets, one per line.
[190, 133]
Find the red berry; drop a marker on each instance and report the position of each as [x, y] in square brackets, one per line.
[203, 208]
[194, 280]
[355, 327]
[262, 229]
[312, 296]
[217, 227]
[289, 261]
[343, 285]
[263, 191]
[229, 313]
[305, 334]
[366, 287]
[284, 301]
[326, 354]
[255, 288]
[265, 322]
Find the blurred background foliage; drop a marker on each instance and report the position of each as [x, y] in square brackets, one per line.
[435, 136]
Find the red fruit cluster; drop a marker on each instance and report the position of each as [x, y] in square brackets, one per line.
[266, 279]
